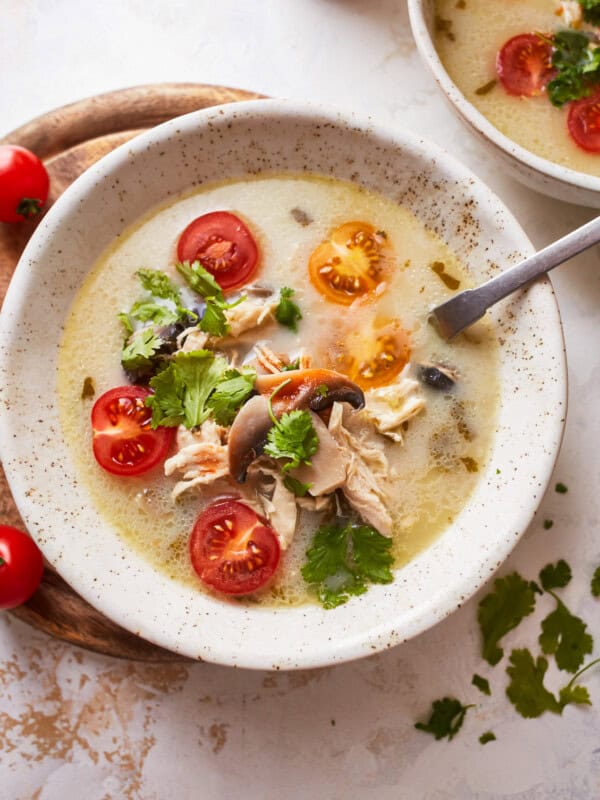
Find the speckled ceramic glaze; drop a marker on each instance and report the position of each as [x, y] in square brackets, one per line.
[532, 170]
[234, 141]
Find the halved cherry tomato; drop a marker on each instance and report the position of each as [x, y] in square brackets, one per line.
[21, 567]
[584, 122]
[349, 264]
[374, 357]
[124, 442]
[524, 65]
[223, 245]
[24, 184]
[233, 549]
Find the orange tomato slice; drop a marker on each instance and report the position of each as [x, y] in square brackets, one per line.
[372, 358]
[350, 264]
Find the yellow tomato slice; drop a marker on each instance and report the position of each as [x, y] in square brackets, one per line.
[350, 264]
[373, 358]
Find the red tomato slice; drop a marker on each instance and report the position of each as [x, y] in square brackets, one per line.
[21, 567]
[223, 245]
[524, 65]
[124, 442]
[584, 122]
[233, 549]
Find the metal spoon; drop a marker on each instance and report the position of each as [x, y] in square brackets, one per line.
[467, 307]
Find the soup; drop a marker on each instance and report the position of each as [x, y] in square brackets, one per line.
[470, 35]
[328, 329]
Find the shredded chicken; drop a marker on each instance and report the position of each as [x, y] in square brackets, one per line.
[201, 456]
[279, 503]
[367, 471]
[251, 313]
[571, 12]
[390, 406]
[192, 339]
[267, 359]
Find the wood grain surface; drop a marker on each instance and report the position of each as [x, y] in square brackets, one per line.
[69, 140]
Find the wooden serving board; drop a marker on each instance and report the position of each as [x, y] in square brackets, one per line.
[69, 140]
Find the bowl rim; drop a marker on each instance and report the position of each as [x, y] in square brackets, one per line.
[433, 609]
[477, 120]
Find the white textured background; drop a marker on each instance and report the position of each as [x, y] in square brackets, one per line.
[75, 725]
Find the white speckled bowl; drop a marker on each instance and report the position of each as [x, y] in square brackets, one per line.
[532, 170]
[248, 139]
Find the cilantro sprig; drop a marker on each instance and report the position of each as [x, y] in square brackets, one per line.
[288, 312]
[512, 599]
[344, 559]
[293, 436]
[576, 60]
[214, 319]
[139, 350]
[230, 394]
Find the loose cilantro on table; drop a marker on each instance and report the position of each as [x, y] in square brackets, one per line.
[555, 576]
[293, 436]
[564, 635]
[343, 559]
[296, 487]
[486, 737]
[561, 488]
[287, 312]
[595, 583]
[181, 391]
[526, 690]
[482, 684]
[499, 612]
[230, 394]
[447, 717]
[548, 523]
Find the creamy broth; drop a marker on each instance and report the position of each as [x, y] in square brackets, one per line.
[468, 37]
[445, 447]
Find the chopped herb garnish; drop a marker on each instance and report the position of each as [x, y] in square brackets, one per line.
[287, 312]
[295, 486]
[499, 612]
[486, 737]
[163, 307]
[576, 59]
[591, 11]
[440, 269]
[293, 436]
[561, 488]
[342, 560]
[447, 717]
[482, 684]
[555, 576]
[199, 279]
[181, 391]
[214, 320]
[486, 88]
[159, 285]
[548, 523]
[140, 349]
[595, 583]
[295, 364]
[230, 395]
[322, 390]
[88, 390]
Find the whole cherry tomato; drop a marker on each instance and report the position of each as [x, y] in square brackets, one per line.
[24, 184]
[21, 567]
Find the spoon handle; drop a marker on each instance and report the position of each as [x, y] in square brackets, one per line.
[467, 307]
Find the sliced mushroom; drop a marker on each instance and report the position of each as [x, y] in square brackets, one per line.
[437, 377]
[248, 436]
[316, 389]
[327, 469]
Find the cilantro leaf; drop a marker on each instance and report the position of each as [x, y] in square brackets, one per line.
[555, 576]
[181, 391]
[159, 285]
[293, 437]
[139, 349]
[295, 486]
[157, 313]
[486, 737]
[214, 320]
[342, 559]
[371, 553]
[526, 690]
[482, 684]
[564, 635]
[595, 583]
[591, 11]
[503, 609]
[447, 717]
[577, 63]
[295, 364]
[287, 312]
[199, 279]
[230, 394]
